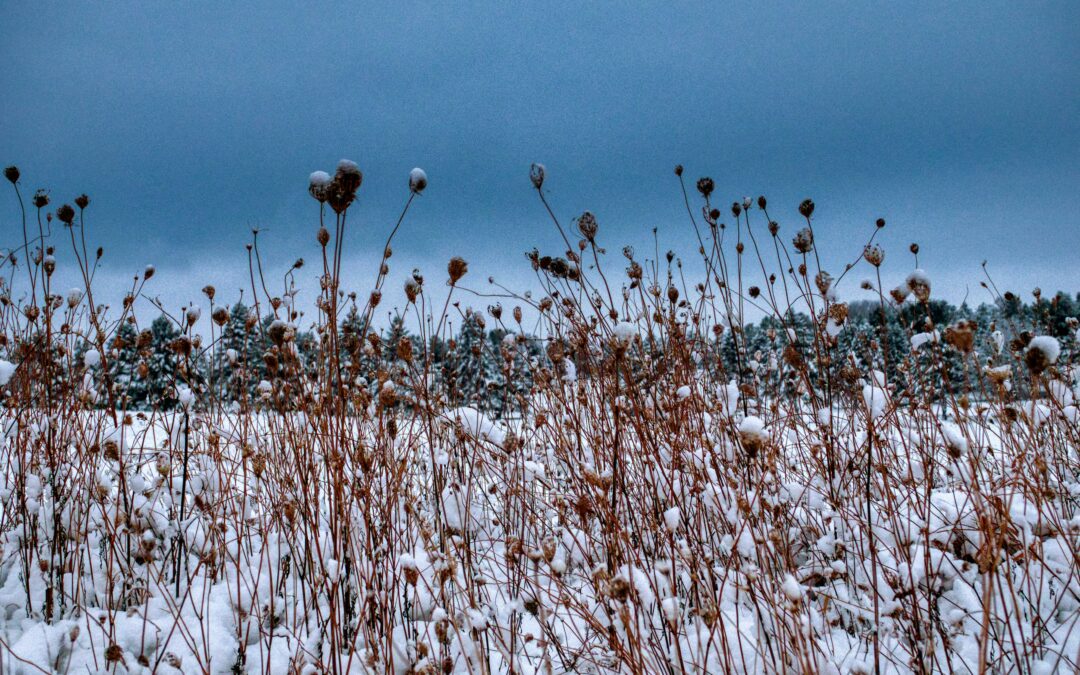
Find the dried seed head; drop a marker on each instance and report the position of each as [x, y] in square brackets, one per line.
[761, 202]
[66, 214]
[587, 225]
[417, 180]
[774, 227]
[880, 223]
[736, 209]
[914, 248]
[537, 173]
[209, 291]
[678, 169]
[12, 174]
[412, 290]
[705, 186]
[82, 201]
[148, 272]
[806, 208]
[803, 240]
[220, 316]
[41, 198]
[874, 255]
[348, 175]
[323, 236]
[457, 269]
[319, 185]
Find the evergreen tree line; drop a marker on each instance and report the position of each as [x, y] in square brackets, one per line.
[492, 370]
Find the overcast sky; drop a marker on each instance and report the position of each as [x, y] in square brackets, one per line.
[190, 123]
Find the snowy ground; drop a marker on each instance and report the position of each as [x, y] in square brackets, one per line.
[477, 547]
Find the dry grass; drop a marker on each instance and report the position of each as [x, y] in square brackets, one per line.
[646, 512]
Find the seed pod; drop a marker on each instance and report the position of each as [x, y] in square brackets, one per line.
[806, 208]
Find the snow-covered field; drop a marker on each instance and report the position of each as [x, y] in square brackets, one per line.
[460, 544]
[642, 483]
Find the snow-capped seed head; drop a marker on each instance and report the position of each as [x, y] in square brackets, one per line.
[74, 297]
[874, 255]
[803, 240]
[791, 588]
[537, 174]
[587, 225]
[705, 186]
[1042, 352]
[220, 316]
[624, 333]
[417, 180]
[752, 433]
[66, 214]
[747, 202]
[12, 174]
[48, 263]
[319, 185]
[41, 198]
[412, 290]
[148, 272]
[918, 282]
[193, 314]
[456, 268]
[806, 208]
[343, 187]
